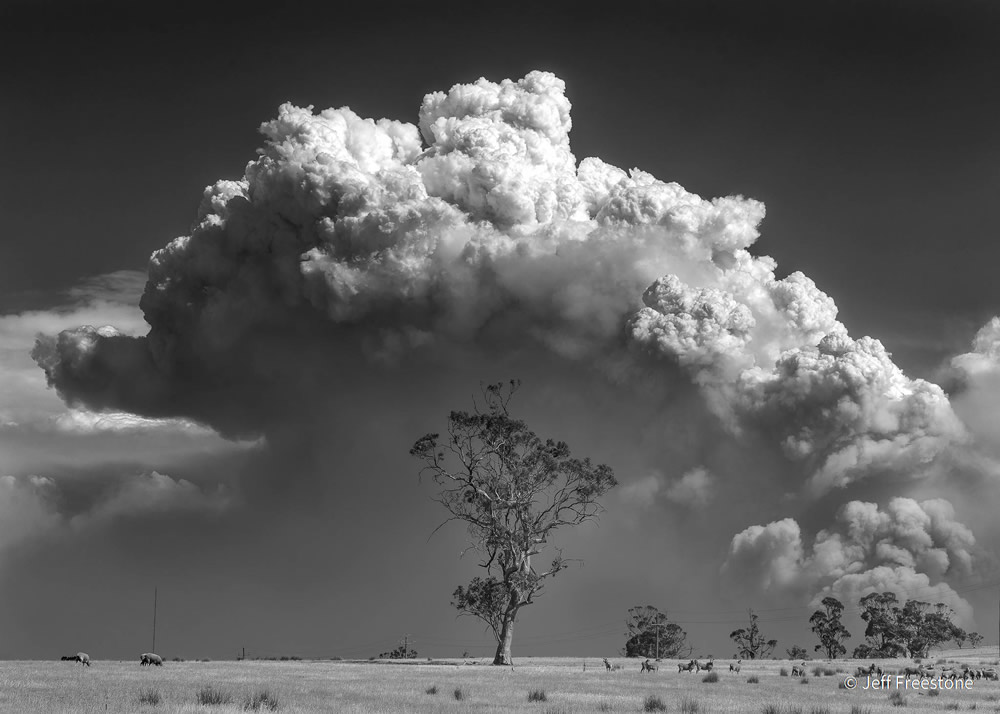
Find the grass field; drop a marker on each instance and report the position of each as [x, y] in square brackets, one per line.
[328, 686]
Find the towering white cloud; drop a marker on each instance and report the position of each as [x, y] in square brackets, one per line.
[908, 547]
[349, 236]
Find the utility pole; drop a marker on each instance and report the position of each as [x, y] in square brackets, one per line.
[154, 620]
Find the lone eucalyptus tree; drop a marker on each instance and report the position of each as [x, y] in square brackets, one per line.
[512, 489]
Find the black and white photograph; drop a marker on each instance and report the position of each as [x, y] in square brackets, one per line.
[500, 357]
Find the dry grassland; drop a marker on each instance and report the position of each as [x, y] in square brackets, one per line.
[328, 686]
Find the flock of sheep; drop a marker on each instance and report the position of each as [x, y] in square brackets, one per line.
[145, 659]
[799, 670]
[693, 666]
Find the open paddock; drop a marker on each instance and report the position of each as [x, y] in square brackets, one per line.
[340, 686]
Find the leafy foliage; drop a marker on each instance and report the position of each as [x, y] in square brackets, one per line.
[911, 630]
[651, 634]
[512, 490]
[829, 629]
[403, 651]
[750, 643]
[797, 652]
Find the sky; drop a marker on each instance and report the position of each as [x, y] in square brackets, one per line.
[740, 252]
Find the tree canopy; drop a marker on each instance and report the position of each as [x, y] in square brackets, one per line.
[513, 490]
[651, 634]
[750, 643]
[911, 630]
[829, 629]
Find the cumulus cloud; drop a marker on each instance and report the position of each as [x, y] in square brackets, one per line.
[973, 380]
[99, 300]
[35, 506]
[349, 242]
[26, 510]
[151, 493]
[905, 547]
[695, 488]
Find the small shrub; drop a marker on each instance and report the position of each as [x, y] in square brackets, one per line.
[841, 685]
[432, 689]
[653, 704]
[205, 660]
[604, 707]
[459, 694]
[336, 659]
[804, 680]
[778, 709]
[933, 692]
[951, 706]
[262, 700]
[690, 706]
[537, 695]
[711, 677]
[209, 696]
[149, 696]
[753, 679]
[783, 672]
[897, 699]
[860, 710]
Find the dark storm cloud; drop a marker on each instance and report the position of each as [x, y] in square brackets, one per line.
[352, 250]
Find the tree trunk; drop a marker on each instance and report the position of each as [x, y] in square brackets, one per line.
[506, 639]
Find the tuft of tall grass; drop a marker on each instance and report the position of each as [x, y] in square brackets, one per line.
[653, 704]
[149, 696]
[753, 679]
[209, 696]
[260, 700]
[690, 706]
[897, 699]
[537, 695]
[431, 689]
[711, 677]
[459, 694]
[860, 710]
[783, 672]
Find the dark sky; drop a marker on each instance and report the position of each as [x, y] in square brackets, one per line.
[867, 129]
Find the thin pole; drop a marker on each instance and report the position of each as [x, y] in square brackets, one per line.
[154, 619]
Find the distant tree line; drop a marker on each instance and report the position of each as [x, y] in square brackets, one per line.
[910, 629]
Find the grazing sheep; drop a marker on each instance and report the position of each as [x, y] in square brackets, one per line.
[735, 667]
[689, 667]
[799, 671]
[148, 658]
[708, 665]
[648, 666]
[607, 665]
[83, 658]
